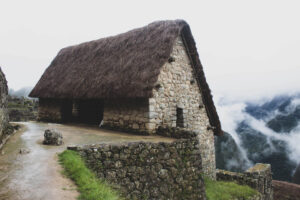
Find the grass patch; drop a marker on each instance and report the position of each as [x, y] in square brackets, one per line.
[221, 190]
[90, 187]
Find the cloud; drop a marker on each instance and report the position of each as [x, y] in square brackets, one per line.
[232, 113]
[243, 55]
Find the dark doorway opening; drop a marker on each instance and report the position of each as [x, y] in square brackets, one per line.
[66, 110]
[90, 111]
[179, 118]
[82, 111]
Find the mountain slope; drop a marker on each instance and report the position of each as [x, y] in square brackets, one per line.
[267, 133]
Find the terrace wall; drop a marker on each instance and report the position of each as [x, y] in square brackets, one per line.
[149, 170]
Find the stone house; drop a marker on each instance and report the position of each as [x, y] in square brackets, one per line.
[139, 81]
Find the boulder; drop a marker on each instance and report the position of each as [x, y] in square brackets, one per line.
[53, 137]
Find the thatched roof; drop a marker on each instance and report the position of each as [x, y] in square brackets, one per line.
[122, 66]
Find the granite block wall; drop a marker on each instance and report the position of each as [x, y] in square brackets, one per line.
[129, 115]
[149, 170]
[176, 90]
[4, 120]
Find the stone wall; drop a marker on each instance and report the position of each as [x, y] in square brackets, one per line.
[22, 109]
[129, 115]
[149, 170]
[4, 121]
[178, 88]
[49, 110]
[258, 177]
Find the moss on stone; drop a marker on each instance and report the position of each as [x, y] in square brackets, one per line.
[221, 190]
[258, 167]
[90, 187]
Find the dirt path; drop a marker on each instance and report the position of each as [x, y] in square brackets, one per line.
[37, 175]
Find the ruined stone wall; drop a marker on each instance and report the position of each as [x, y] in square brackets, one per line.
[149, 170]
[258, 177]
[126, 114]
[4, 121]
[49, 110]
[178, 88]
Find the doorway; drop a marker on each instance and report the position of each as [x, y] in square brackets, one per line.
[90, 111]
[82, 111]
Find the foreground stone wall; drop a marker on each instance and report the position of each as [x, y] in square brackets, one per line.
[258, 177]
[129, 115]
[4, 121]
[149, 170]
[50, 110]
[207, 150]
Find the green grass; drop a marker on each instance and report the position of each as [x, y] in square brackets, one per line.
[220, 190]
[15, 105]
[89, 186]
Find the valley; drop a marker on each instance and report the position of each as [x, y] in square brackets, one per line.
[266, 132]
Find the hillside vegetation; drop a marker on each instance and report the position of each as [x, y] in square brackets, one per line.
[220, 190]
[266, 132]
[22, 109]
[89, 186]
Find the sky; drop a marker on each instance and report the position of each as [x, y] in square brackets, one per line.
[248, 48]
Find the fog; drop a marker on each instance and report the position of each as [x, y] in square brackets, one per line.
[232, 113]
[248, 48]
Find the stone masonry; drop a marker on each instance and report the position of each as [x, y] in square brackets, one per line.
[126, 115]
[178, 88]
[4, 121]
[149, 170]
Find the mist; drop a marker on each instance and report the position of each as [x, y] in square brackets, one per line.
[23, 92]
[248, 49]
[235, 114]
